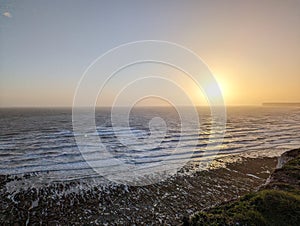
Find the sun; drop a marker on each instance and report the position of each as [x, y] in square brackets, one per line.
[224, 86]
[218, 91]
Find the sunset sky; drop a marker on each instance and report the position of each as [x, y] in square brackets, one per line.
[252, 47]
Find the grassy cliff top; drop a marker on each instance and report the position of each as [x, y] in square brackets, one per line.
[276, 203]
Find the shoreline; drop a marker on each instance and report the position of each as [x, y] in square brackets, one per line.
[167, 202]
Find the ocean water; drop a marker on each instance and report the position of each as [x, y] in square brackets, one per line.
[41, 141]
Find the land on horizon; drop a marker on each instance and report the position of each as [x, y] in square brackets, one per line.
[282, 104]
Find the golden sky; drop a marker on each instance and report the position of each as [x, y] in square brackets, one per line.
[252, 47]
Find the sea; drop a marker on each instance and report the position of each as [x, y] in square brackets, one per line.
[41, 141]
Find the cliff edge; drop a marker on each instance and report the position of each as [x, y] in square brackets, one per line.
[275, 203]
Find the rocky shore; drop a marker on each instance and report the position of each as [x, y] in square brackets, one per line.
[75, 203]
[277, 202]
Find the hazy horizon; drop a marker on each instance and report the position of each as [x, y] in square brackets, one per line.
[146, 106]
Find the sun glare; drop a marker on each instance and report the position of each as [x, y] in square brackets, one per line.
[224, 87]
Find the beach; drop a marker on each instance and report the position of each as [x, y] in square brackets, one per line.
[163, 203]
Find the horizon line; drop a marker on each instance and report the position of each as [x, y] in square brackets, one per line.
[109, 106]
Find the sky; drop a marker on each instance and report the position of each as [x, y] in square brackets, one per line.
[251, 47]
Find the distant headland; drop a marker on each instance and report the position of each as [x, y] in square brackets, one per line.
[283, 104]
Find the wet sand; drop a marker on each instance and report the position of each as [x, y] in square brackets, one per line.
[163, 203]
